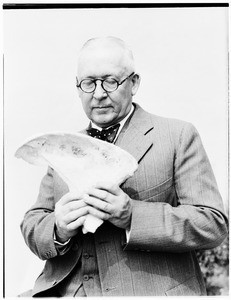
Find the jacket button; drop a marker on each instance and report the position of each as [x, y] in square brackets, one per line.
[85, 277]
[86, 255]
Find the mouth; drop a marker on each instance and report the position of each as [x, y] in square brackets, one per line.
[102, 107]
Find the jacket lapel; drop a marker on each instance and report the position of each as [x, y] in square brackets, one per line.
[133, 137]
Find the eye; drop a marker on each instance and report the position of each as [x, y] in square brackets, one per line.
[110, 80]
[110, 83]
[87, 85]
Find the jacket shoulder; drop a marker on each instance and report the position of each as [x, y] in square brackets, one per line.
[172, 126]
[160, 120]
[171, 122]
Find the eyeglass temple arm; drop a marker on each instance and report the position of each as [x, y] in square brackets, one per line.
[126, 78]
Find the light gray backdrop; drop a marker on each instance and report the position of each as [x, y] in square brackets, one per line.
[181, 55]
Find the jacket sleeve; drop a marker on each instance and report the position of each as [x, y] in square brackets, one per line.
[198, 221]
[38, 224]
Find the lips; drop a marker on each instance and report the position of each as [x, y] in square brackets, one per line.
[102, 107]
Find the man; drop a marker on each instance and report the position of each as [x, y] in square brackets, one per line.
[153, 223]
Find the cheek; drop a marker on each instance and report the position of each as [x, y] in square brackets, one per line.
[124, 100]
[85, 104]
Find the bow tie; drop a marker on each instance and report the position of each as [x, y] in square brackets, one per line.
[107, 135]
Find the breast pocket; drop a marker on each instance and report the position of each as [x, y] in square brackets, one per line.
[162, 192]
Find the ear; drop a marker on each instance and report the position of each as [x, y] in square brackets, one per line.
[135, 83]
[78, 89]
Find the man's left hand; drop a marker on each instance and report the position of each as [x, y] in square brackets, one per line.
[109, 202]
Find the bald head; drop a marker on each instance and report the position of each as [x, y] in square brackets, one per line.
[107, 50]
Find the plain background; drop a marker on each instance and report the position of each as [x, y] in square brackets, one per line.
[181, 55]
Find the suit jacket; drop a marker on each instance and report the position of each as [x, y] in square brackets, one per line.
[177, 209]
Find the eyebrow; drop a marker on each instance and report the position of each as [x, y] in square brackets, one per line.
[102, 77]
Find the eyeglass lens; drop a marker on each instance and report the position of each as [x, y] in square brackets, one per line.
[108, 84]
[89, 85]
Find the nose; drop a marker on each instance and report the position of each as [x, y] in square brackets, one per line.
[99, 92]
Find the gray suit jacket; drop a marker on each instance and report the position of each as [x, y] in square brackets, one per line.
[177, 209]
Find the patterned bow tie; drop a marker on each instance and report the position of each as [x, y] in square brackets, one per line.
[107, 135]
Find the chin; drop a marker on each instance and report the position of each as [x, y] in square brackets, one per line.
[103, 122]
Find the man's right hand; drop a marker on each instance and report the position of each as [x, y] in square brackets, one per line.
[70, 214]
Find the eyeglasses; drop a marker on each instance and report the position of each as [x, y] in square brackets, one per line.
[109, 84]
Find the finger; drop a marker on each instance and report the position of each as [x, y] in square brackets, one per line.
[74, 205]
[75, 214]
[98, 193]
[108, 186]
[63, 209]
[70, 196]
[98, 213]
[99, 204]
[76, 223]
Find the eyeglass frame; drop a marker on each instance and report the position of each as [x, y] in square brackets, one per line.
[102, 81]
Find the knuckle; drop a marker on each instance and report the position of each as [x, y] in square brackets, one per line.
[118, 214]
[106, 217]
[71, 207]
[104, 195]
[105, 208]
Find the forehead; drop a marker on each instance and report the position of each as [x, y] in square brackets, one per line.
[102, 61]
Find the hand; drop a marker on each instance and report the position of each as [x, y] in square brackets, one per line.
[109, 202]
[70, 214]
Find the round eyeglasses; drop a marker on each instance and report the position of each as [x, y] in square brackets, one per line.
[109, 84]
